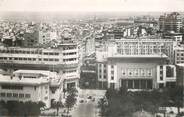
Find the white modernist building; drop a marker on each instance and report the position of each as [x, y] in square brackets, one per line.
[135, 65]
[31, 85]
[64, 60]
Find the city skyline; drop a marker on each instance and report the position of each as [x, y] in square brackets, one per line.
[94, 6]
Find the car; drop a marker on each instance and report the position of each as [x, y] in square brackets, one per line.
[89, 97]
[81, 101]
[93, 99]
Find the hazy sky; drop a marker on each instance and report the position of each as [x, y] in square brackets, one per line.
[91, 5]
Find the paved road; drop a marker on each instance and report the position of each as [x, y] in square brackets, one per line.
[88, 108]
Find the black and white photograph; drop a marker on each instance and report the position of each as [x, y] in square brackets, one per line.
[91, 58]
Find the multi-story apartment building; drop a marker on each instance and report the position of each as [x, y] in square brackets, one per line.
[134, 64]
[63, 60]
[31, 85]
[170, 22]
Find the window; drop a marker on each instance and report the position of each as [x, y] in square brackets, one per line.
[46, 98]
[15, 95]
[130, 84]
[3, 94]
[45, 53]
[56, 53]
[56, 59]
[50, 59]
[12, 87]
[21, 95]
[45, 59]
[136, 72]
[161, 85]
[112, 67]
[161, 77]
[112, 77]
[112, 72]
[27, 95]
[112, 85]
[9, 94]
[149, 72]
[35, 88]
[51, 53]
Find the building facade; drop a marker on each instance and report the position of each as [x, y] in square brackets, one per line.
[63, 60]
[31, 85]
[135, 64]
[143, 47]
[170, 22]
[179, 55]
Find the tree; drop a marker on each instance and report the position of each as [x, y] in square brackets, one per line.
[125, 103]
[102, 104]
[71, 99]
[72, 91]
[70, 102]
[57, 105]
[176, 97]
[41, 104]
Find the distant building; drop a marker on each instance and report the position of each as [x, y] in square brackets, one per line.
[89, 46]
[63, 60]
[170, 22]
[177, 37]
[47, 36]
[179, 55]
[31, 85]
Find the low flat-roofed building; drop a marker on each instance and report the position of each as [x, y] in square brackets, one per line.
[34, 86]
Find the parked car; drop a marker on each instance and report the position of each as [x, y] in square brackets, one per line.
[81, 101]
[89, 97]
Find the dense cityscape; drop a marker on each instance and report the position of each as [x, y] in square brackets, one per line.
[94, 65]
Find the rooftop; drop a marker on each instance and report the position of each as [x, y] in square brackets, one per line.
[43, 72]
[138, 56]
[24, 81]
[180, 64]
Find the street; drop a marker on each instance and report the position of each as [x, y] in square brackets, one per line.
[88, 108]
